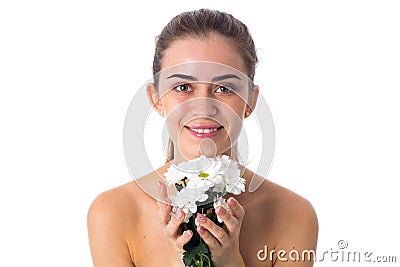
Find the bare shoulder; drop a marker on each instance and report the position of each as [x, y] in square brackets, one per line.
[110, 216]
[289, 221]
[292, 206]
[112, 203]
[115, 220]
[282, 202]
[122, 203]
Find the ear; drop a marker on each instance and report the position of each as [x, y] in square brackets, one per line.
[154, 98]
[251, 105]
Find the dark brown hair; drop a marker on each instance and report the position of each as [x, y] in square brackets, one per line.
[201, 24]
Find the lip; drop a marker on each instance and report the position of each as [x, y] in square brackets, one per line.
[204, 130]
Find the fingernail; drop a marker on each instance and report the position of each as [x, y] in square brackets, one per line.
[201, 230]
[232, 201]
[221, 210]
[179, 215]
[187, 234]
[202, 218]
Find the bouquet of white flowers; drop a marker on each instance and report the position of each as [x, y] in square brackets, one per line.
[201, 184]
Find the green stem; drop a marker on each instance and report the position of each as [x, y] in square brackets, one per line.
[209, 261]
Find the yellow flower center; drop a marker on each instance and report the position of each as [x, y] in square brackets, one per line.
[203, 175]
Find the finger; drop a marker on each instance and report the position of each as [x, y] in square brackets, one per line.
[173, 225]
[162, 190]
[237, 209]
[217, 232]
[164, 211]
[209, 239]
[231, 223]
[164, 208]
[183, 239]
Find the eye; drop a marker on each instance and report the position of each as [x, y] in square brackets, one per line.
[183, 88]
[224, 89]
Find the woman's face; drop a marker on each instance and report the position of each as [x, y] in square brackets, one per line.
[204, 95]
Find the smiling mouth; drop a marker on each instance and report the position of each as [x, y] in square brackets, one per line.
[204, 131]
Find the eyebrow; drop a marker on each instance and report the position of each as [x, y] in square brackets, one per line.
[215, 79]
[182, 76]
[224, 77]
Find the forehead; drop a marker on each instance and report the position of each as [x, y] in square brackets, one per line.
[214, 48]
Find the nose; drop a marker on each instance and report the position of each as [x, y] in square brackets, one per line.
[204, 107]
[204, 104]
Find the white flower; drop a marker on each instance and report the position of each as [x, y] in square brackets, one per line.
[219, 188]
[202, 172]
[221, 202]
[214, 176]
[231, 174]
[186, 199]
[203, 180]
[173, 175]
[236, 187]
[196, 165]
[229, 169]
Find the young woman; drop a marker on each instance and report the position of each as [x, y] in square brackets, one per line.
[271, 226]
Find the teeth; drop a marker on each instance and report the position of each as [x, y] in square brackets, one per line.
[204, 130]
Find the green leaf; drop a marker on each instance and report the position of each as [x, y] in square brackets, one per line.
[200, 253]
[203, 248]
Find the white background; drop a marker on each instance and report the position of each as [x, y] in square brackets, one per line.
[329, 71]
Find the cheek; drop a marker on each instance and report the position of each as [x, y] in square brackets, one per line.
[172, 106]
[235, 118]
[238, 106]
[235, 126]
[175, 111]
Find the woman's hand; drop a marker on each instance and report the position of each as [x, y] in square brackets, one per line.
[171, 227]
[223, 242]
